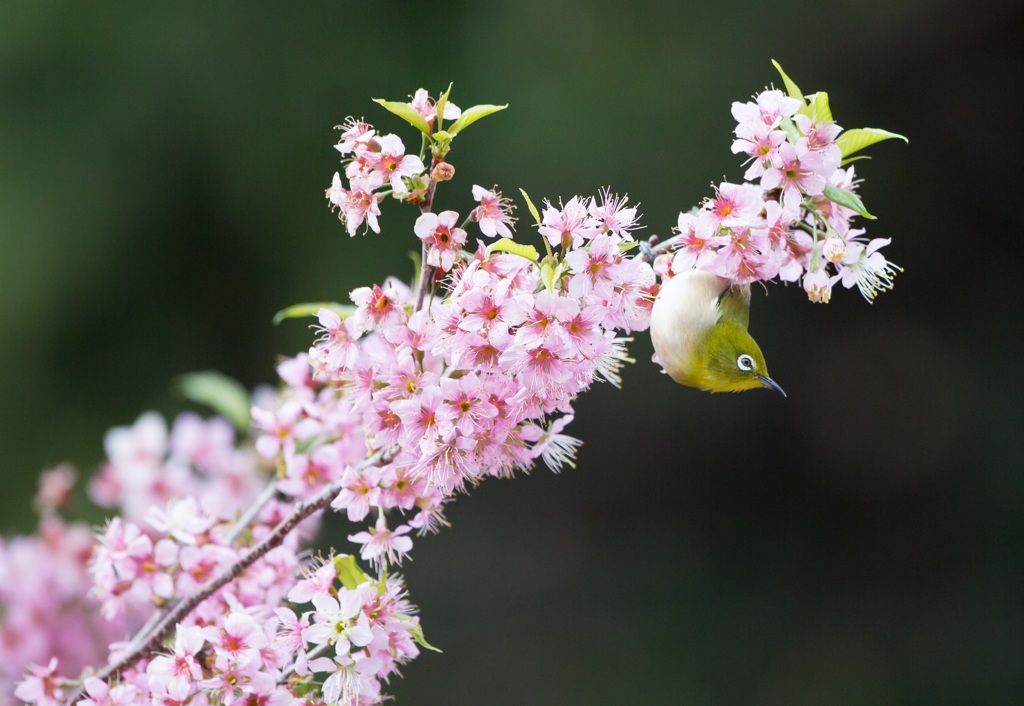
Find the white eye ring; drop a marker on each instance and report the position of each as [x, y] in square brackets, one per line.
[745, 363]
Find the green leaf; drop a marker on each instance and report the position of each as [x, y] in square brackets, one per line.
[819, 109]
[853, 159]
[224, 395]
[298, 311]
[510, 246]
[307, 445]
[790, 128]
[529, 204]
[471, 115]
[848, 199]
[791, 88]
[349, 572]
[417, 264]
[416, 630]
[441, 103]
[551, 272]
[407, 113]
[855, 140]
[627, 245]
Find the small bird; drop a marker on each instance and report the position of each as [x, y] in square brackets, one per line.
[699, 330]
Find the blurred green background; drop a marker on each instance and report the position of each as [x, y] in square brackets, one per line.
[162, 170]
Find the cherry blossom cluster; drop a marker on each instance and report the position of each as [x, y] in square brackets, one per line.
[791, 216]
[378, 165]
[44, 580]
[251, 640]
[477, 382]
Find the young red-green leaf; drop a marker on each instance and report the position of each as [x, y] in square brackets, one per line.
[348, 571]
[224, 395]
[407, 113]
[471, 115]
[298, 311]
[510, 246]
[529, 205]
[855, 140]
[848, 199]
[791, 88]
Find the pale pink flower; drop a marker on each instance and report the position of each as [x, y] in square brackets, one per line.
[356, 205]
[464, 408]
[42, 685]
[420, 422]
[175, 674]
[378, 307]
[595, 268]
[821, 137]
[798, 172]
[292, 639]
[613, 215]
[319, 582]
[392, 164]
[742, 257]
[494, 212]
[868, 268]
[340, 621]
[141, 445]
[361, 492]
[55, 487]
[443, 237]
[761, 143]
[833, 249]
[769, 110]
[425, 106]
[182, 520]
[698, 241]
[735, 205]
[205, 444]
[556, 449]
[381, 545]
[356, 136]
[197, 565]
[237, 641]
[100, 693]
[569, 225]
[542, 324]
[818, 286]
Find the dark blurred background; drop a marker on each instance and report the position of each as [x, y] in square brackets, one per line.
[162, 170]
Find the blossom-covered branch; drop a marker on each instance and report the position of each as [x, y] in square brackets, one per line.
[413, 392]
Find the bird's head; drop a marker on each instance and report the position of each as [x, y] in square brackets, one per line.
[729, 360]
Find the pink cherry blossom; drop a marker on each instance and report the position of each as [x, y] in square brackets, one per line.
[443, 237]
[494, 212]
[569, 225]
[391, 164]
[381, 544]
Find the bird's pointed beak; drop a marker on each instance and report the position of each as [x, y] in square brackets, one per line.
[771, 384]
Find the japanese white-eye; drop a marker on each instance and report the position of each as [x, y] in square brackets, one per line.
[699, 330]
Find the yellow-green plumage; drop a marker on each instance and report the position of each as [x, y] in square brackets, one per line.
[699, 330]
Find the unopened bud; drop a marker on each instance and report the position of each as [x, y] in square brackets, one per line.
[442, 171]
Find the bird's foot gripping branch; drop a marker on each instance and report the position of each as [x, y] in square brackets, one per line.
[412, 392]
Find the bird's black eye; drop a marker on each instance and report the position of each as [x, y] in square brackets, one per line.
[745, 363]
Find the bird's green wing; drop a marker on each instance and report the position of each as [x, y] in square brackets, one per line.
[734, 304]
